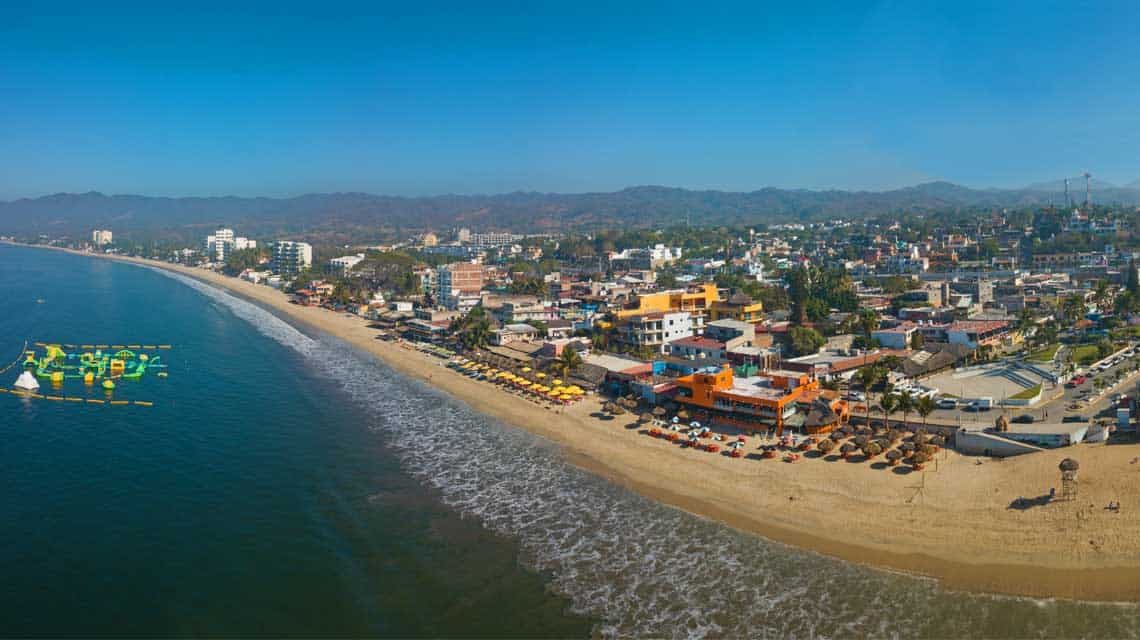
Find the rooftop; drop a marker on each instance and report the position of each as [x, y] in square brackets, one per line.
[756, 387]
[698, 342]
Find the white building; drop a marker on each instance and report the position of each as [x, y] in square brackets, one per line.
[100, 237]
[291, 257]
[223, 242]
[344, 264]
[655, 330]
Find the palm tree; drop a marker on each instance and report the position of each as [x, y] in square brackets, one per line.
[887, 404]
[568, 361]
[905, 404]
[925, 406]
[867, 377]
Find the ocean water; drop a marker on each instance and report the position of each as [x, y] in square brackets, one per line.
[285, 484]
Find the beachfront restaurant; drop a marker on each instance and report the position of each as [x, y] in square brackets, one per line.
[751, 403]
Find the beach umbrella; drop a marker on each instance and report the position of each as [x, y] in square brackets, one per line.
[1069, 464]
[847, 449]
[525, 369]
[938, 441]
[540, 375]
[683, 414]
[919, 459]
[907, 447]
[557, 381]
[872, 449]
[826, 446]
[645, 417]
[837, 435]
[894, 455]
[618, 410]
[659, 412]
[860, 440]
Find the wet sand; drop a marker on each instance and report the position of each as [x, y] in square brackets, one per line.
[953, 522]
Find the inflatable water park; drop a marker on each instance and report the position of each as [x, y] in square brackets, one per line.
[82, 368]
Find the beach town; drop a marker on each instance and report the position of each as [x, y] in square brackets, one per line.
[881, 409]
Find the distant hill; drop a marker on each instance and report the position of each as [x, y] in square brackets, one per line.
[77, 213]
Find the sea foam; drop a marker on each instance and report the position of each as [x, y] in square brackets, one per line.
[641, 568]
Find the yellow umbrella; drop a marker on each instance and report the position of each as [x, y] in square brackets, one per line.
[540, 375]
[526, 369]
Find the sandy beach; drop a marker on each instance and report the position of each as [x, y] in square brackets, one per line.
[953, 522]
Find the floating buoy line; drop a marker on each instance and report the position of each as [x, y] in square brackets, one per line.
[105, 364]
[20, 393]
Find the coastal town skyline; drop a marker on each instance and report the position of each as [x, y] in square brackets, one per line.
[570, 320]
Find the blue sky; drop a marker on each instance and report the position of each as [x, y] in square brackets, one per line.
[423, 98]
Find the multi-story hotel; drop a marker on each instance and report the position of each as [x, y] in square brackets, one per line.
[291, 258]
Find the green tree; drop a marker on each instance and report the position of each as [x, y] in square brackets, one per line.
[799, 292]
[924, 407]
[473, 329]
[887, 404]
[805, 340]
[568, 361]
[916, 341]
[905, 404]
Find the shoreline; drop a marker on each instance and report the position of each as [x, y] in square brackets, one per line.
[957, 528]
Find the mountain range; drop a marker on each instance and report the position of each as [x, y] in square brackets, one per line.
[77, 213]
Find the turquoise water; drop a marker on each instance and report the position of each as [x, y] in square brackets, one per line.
[284, 484]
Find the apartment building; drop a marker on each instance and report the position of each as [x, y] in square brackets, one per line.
[290, 257]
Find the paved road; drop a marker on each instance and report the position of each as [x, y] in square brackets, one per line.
[1051, 411]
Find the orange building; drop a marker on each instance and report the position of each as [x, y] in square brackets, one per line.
[757, 402]
[697, 300]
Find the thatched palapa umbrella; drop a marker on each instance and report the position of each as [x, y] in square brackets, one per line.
[872, 449]
[659, 412]
[1069, 464]
[847, 449]
[645, 417]
[826, 446]
[893, 456]
[919, 459]
[683, 414]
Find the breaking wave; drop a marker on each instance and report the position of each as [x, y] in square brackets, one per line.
[641, 568]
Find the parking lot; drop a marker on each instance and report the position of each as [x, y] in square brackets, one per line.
[1074, 400]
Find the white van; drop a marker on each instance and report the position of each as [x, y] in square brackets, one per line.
[984, 403]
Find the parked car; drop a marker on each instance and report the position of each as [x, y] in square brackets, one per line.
[984, 403]
[1076, 418]
[946, 403]
[1024, 418]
